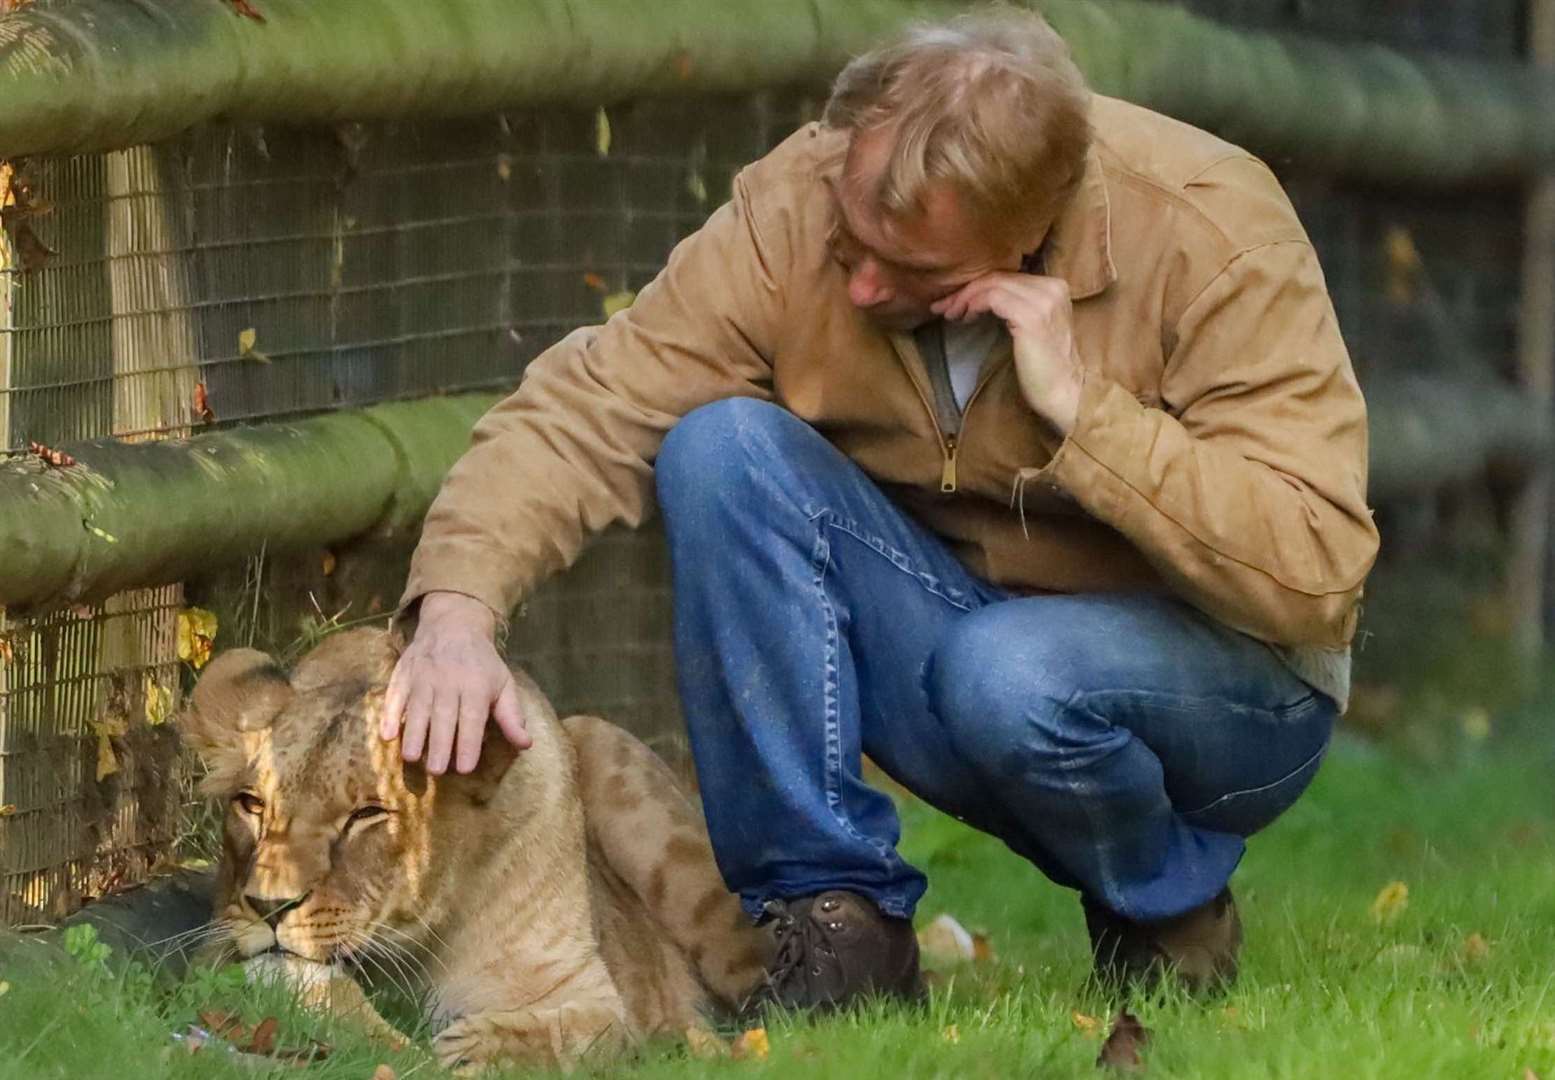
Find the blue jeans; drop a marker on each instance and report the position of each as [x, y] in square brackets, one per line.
[1124, 743]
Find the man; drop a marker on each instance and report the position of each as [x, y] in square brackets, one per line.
[1003, 433]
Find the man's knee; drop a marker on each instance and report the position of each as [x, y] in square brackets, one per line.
[998, 696]
[708, 451]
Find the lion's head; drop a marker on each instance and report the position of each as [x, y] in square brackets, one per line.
[330, 840]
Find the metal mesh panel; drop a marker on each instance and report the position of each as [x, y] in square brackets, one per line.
[270, 273]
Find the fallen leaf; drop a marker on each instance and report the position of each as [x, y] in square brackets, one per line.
[751, 1044]
[202, 404]
[1475, 723]
[328, 563]
[705, 1045]
[1085, 1025]
[159, 701]
[602, 132]
[383, 1072]
[595, 282]
[1403, 264]
[110, 724]
[682, 64]
[982, 951]
[54, 459]
[7, 650]
[5, 988]
[220, 1022]
[617, 301]
[1390, 902]
[196, 636]
[951, 1034]
[8, 809]
[243, 8]
[263, 1039]
[1529, 1074]
[248, 341]
[947, 940]
[1475, 948]
[1121, 1050]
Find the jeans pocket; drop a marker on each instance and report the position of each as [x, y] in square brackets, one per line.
[1243, 813]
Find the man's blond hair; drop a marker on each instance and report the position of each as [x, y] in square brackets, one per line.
[990, 103]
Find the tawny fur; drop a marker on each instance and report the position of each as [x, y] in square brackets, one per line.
[557, 904]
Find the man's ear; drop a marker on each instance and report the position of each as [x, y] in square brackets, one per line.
[241, 691]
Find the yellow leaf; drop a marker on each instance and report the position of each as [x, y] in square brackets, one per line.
[8, 809]
[751, 1044]
[602, 132]
[107, 763]
[704, 1044]
[1390, 902]
[5, 988]
[951, 1034]
[159, 701]
[1086, 1025]
[1475, 948]
[196, 636]
[617, 301]
[248, 342]
[329, 562]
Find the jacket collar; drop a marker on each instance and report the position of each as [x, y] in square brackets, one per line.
[1078, 247]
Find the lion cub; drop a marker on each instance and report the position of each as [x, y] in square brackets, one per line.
[552, 903]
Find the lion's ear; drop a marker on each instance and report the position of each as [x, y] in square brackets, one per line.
[242, 690]
[367, 653]
[479, 786]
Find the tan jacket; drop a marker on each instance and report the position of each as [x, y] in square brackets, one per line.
[1220, 449]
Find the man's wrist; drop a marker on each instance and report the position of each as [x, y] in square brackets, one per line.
[455, 609]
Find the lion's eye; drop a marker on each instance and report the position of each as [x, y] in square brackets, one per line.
[249, 803]
[365, 813]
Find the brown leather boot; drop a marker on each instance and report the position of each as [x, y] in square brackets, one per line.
[1200, 946]
[834, 949]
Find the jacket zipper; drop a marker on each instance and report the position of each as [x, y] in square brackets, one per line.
[950, 444]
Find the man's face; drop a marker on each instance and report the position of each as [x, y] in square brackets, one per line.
[898, 266]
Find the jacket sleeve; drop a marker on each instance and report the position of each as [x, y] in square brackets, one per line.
[1247, 490]
[571, 450]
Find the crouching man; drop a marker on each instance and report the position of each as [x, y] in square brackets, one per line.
[1003, 433]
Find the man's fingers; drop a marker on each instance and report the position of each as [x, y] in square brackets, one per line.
[508, 717]
[441, 731]
[472, 730]
[418, 714]
[393, 702]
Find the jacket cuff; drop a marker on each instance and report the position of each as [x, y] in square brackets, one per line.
[1107, 427]
[476, 570]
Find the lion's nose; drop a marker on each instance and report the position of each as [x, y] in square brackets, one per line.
[273, 911]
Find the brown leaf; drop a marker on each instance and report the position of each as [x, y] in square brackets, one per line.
[220, 1022]
[263, 1039]
[8, 809]
[55, 459]
[31, 252]
[595, 282]
[1121, 1050]
[1475, 948]
[328, 565]
[202, 405]
[383, 1072]
[243, 8]
[682, 64]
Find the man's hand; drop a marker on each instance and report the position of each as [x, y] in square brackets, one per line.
[448, 682]
[1040, 317]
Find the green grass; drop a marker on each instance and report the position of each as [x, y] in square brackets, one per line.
[1325, 992]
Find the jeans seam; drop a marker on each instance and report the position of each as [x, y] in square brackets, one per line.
[1297, 771]
[820, 561]
[1109, 881]
[897, 558]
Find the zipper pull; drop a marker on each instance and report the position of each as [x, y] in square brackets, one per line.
[947, 476]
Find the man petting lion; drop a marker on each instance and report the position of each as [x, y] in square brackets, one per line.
[1003, 433]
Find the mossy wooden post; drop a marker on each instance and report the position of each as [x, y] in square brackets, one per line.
[1531, 534]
